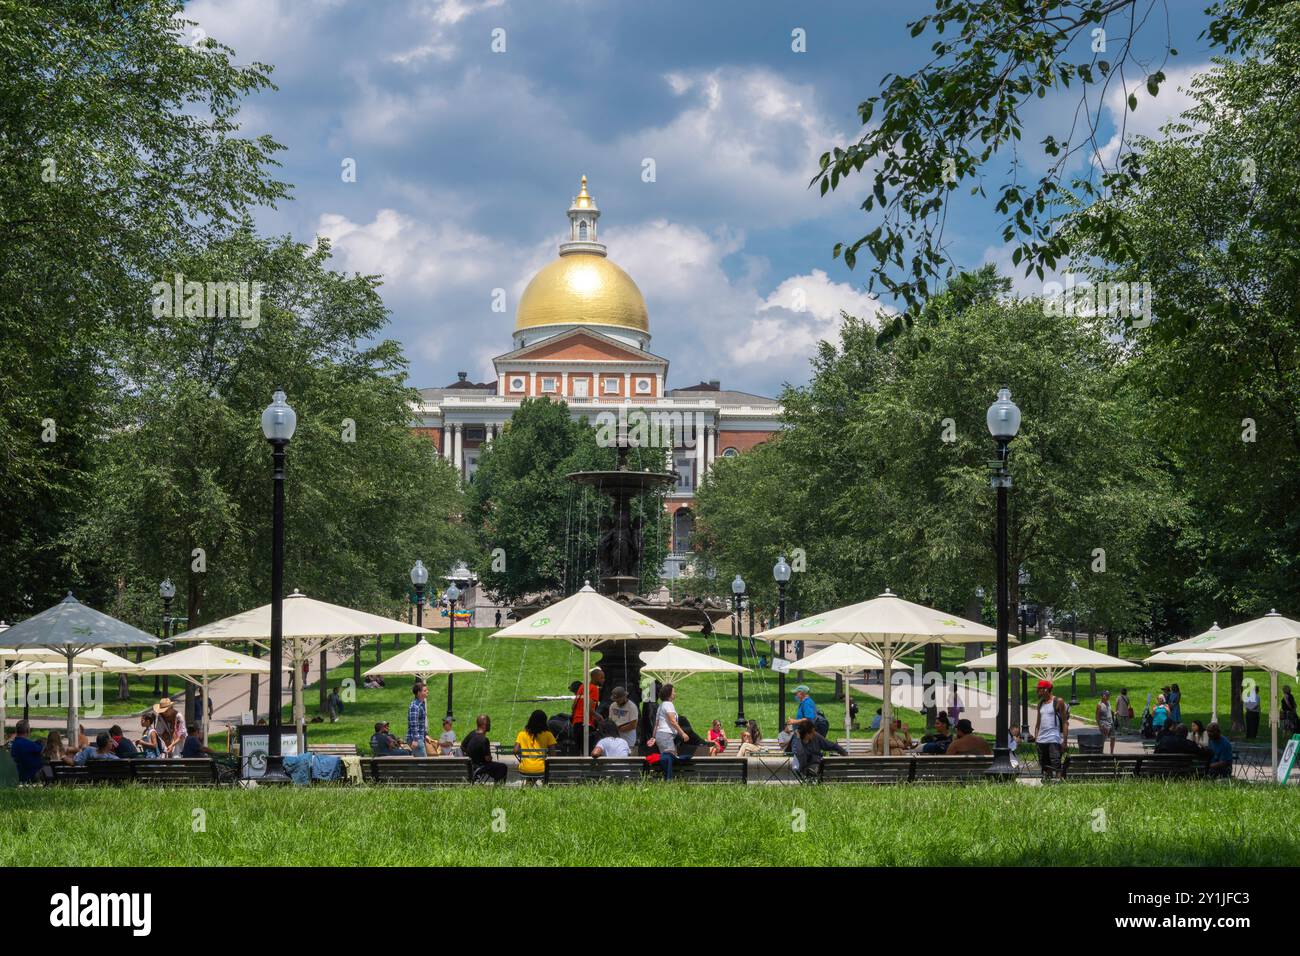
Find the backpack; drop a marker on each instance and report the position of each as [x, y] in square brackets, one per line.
[820, 723]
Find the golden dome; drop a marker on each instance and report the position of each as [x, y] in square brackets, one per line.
[582, 289]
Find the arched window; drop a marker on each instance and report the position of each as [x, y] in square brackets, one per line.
[729, 453]
[683, 526]
[582, 229]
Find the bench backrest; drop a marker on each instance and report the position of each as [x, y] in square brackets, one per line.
[333, 750]
[836, 769]
[1168, 765]
[109, 771]
[957, 767]
[179, 772]
[1101, 765]
[421, 771]
[569, 770]
[66, 774]
[711, 770]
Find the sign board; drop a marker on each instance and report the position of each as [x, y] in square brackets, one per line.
[780, 665]
[1288, 759]
[253, 745]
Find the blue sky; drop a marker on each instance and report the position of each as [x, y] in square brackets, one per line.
[466, 158]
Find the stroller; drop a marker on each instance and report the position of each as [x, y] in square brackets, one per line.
[1148, 728]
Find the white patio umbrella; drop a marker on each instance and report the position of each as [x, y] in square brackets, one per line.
[200, 663]
[1048, 659]
[1212, 661]
[672, 663]
[586, 619]
[69, 628]
[309, 627]
[890, 626]
[423, 661]
[1270, 642]
[845, 659]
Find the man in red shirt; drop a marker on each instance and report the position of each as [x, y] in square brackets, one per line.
[579, 703]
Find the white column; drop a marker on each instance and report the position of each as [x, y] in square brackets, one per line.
[446, 440]
[564, 385]
[460, 458]
[659, 385]
[627, 384]
[713, 446]
[699, 451]
[532, 384]
[488, 429]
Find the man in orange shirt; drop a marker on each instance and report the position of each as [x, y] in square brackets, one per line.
[580, 702]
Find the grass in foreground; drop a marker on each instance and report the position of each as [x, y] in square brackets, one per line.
[1141, 824]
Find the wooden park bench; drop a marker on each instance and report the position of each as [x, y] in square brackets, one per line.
[709, 770]
[110, 771]
[333, 750]
[857, 746]
[418, 771]
[64, 774]
[571, 770]
[1114, 766]
[179, 772]
[853, 769]
[959, 768]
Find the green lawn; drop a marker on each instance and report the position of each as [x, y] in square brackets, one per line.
[1143, 823]
[518, 670]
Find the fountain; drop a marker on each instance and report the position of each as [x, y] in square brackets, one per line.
[619, 550]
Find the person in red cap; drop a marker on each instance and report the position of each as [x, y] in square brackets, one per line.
[1051, 730]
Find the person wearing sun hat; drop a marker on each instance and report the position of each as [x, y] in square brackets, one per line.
[170, 727]
[1051, 730]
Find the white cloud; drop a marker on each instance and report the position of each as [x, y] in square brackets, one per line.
[1152, 112]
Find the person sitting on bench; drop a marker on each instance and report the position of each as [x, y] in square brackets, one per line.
[937, 742]
[478, 749]
[808, 748]
[101, 749]
[122, 748]
[194, 745]
[384, 744]
[611, 743]
[900, 741]
[966, 742]
[1220, 752]
[750, 740]
[1177, 742]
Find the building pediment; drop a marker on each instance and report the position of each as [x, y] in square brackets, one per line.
[580, 345]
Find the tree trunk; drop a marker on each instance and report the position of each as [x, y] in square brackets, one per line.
[1237, 724]
[324, 669]
[356, 663]
[1092, 674]
[974, 611]
[930, 666]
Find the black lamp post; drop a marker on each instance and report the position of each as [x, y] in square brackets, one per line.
[278, 424]
[1003, 419]
[166, 591]
[737, 592]
[781, 574]
[452, 594]
[419, 577]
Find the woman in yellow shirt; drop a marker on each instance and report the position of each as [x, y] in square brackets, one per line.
[533, 744]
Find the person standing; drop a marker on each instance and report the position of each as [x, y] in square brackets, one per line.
[1123, 710]
[478, 748]
[1175, 704]
[417, 720]
[667, 730]
[1106, 720]
[1160, 716]
[498, 620]
[1052, 730]
[1251, 700]
[580, 715]
[624, 715]
[807, 709]
[1287, 713]
[170, 727]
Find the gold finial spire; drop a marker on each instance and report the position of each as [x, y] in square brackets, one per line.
[582, 200]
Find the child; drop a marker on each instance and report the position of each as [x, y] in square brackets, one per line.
[447, 740]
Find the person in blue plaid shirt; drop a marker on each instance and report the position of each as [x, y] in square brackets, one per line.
[417, 720]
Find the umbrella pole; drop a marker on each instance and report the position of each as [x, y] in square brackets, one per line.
[72, 697]
[203, 714]
[887, 720]
[848, 720]
[298, 713]
[1272, 714]
[586, 709]
[1214, 695]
